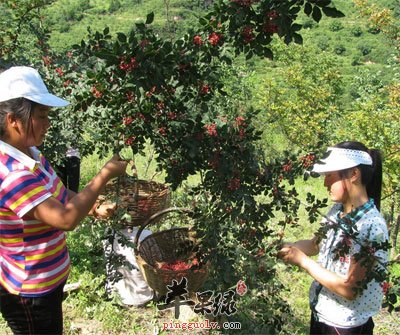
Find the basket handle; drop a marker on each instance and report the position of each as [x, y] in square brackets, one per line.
[155, 216]
[136, 183]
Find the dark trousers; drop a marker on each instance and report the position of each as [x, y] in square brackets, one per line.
[69, 173]
[319, 328]
[33, 316]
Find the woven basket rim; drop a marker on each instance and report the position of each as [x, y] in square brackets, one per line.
[156, 277]
[140, 198]
[152, 235]
[156, 184]
[204, 266]
[159, 279]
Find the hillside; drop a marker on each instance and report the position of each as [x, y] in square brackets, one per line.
[69, 20]
[350, 37]
[355, 46]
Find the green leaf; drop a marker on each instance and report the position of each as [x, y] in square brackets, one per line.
[90, 74]
[168, 47]
[297, 38]
[288, 39]
[103, 113]
[392, 298]
[296, 27]
[249, 55]
[294, 10]
[308, 9]
[127, 217]
[332, 12]
[179, 43]
[323, 3]
[150, 18]
[316, 14]
[268, 53]
[140, 26]
[121, 37]
[203, 21]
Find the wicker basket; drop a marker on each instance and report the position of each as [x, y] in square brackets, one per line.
[139, 198]
[168, 246]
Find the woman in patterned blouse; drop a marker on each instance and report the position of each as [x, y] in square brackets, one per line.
[353, 178]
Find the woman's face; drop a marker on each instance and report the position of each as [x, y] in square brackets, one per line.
[337, 186]
[38, 125]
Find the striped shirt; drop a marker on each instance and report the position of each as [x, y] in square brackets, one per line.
[34, 258]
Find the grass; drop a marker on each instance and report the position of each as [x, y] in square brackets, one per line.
[97, 16]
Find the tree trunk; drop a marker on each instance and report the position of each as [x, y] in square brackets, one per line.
[394, 233]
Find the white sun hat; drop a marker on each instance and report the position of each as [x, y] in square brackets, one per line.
[25, 82]
[337, 159]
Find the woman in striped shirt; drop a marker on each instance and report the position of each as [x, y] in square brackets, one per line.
[35, 207]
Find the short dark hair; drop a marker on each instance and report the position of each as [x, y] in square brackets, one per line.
[371, 176]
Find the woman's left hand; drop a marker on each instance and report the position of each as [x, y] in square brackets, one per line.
[291, 255]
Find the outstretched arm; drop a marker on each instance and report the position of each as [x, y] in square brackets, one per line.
[54, 213]
[343, 286]
[309, 247]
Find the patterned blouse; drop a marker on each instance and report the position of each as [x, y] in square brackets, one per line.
[333, 309]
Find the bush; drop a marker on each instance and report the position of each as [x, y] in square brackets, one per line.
[356, 31]
[72, 14]
[364, 49]
[114, 6]
[323, 44]
[335, 26]
[75, 11]
[356, 61]
[373, 30]
[339, 49]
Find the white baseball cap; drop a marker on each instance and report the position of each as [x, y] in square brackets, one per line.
[25, 82]
[337, 159]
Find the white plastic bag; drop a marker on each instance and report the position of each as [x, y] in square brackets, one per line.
[132, 287]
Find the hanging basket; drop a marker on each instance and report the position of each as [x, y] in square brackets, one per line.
[155, 253]
[138, 198]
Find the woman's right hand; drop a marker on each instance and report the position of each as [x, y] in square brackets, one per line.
[104, 211]
[115, 166]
